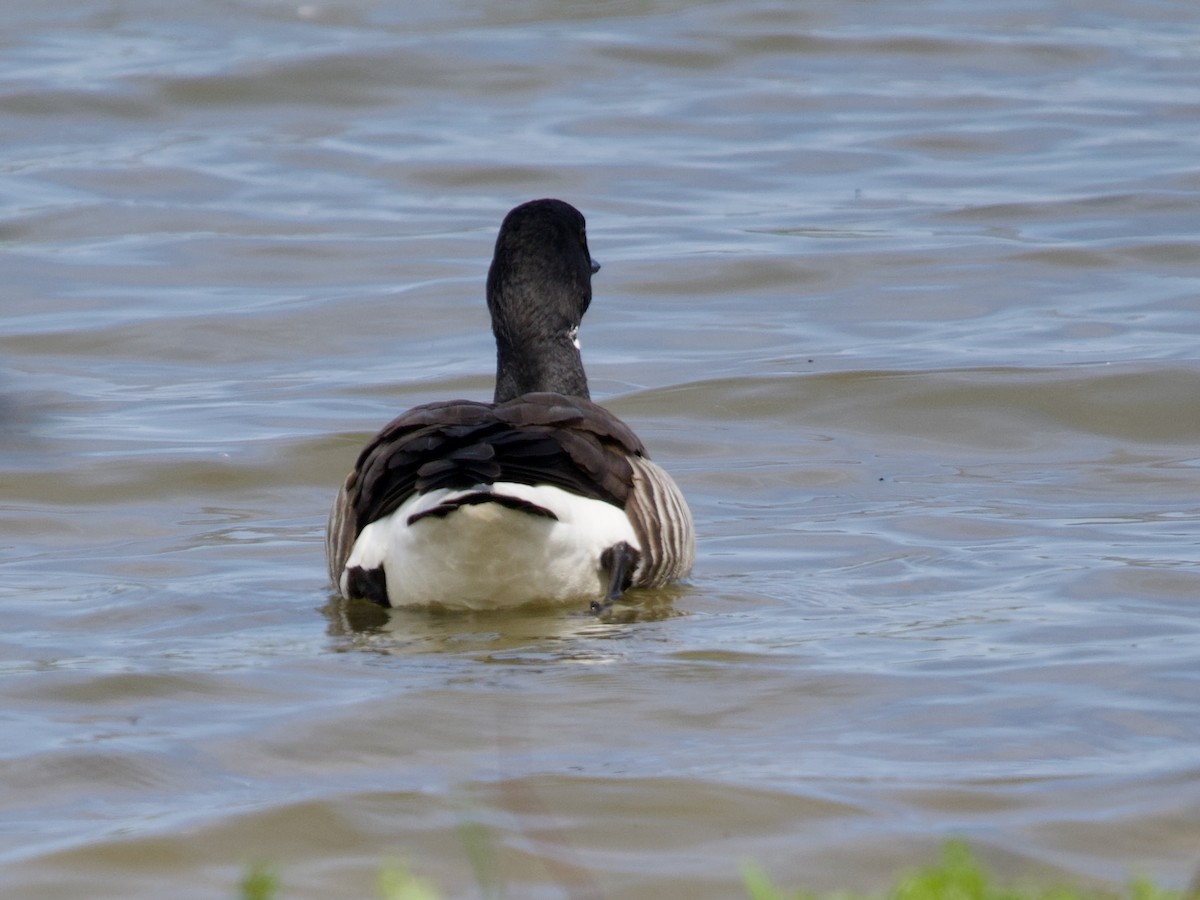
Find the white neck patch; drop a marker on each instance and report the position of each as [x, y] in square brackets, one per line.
[573, 334]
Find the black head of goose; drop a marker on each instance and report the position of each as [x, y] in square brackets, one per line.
[539, 496]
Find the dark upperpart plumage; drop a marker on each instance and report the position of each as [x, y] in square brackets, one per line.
[541, 430]
[539, 438]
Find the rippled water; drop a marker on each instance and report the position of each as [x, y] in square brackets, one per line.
[905, 295]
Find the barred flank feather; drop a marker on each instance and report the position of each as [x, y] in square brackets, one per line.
[341, 530]
[663, 524]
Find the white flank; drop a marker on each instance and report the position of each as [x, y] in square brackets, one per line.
[488, 556]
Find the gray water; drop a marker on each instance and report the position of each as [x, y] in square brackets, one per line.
[906, 296]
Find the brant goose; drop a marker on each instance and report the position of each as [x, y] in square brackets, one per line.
[539, 496]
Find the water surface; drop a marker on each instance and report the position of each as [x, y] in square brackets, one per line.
[905, 296]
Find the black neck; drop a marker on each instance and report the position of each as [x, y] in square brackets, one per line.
[550, 365]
